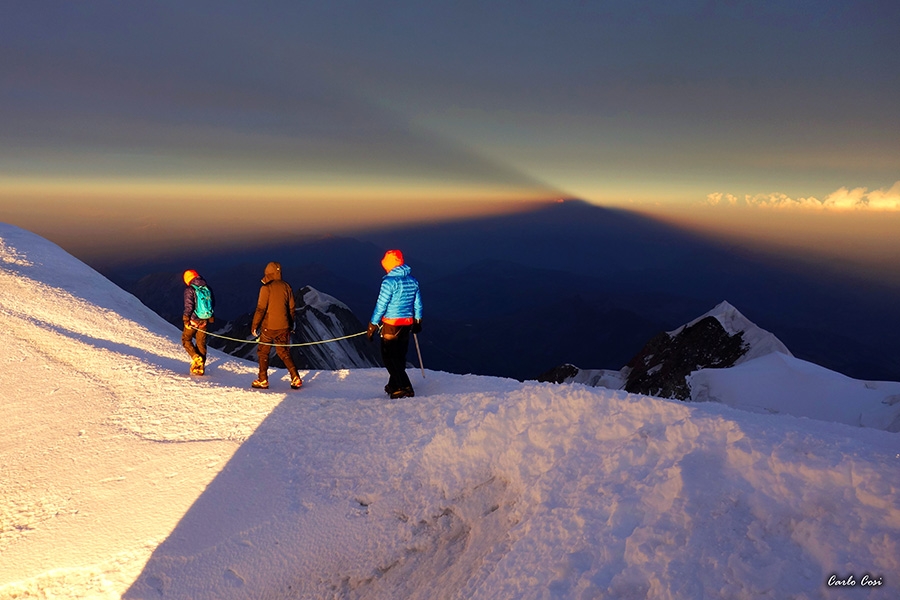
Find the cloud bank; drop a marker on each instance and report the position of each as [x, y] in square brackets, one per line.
[858, 199]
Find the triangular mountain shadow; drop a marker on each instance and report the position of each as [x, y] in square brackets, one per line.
[553, 271]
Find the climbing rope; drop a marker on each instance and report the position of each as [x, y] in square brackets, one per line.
[256, 341]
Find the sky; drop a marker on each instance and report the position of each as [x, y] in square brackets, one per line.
[124, 126]
[125, 477]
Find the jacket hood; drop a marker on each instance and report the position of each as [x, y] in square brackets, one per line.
[272, 273]
[399, 271]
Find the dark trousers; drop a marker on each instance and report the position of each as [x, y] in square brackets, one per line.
[187, 340]
[274, 336]
[394, 346]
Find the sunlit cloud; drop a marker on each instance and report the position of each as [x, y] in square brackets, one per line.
[856, 199]
[851, 230]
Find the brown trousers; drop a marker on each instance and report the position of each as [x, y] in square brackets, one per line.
[276, 336]
[187, 340]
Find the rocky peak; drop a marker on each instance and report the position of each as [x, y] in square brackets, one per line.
[661, 367]
[719, 339]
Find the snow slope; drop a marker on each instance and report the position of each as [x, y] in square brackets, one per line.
[122, 476]
[776, 383]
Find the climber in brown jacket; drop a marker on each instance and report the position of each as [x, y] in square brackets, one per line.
[275, 315]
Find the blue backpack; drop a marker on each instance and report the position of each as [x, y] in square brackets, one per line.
[203, 306]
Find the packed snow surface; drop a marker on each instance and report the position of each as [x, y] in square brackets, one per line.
[123, 476]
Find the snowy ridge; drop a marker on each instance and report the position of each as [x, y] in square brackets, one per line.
[479, 488]
[320, 300]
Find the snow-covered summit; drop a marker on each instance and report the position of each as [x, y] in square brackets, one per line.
[320, 301]
[720, 338]
[757, 341]
[125, 477]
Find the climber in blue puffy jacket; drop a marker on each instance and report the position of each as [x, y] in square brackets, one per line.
[398, 311]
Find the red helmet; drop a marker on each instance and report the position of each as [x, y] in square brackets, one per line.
[189, 276]
[392, 259]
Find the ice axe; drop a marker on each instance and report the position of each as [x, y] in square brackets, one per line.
[419, 352]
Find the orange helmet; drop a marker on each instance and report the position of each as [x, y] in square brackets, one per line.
[392, 258]
[189, 276]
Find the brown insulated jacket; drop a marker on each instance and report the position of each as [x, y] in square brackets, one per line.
[275, 307]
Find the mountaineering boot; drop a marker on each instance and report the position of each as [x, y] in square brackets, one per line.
[406, 392]
[197, 365]
[296, 382]
[261, 384]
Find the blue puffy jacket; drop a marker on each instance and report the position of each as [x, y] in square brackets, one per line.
[399, 297]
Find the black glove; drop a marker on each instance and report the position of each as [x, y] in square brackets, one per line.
[417, 326]
[370, 330]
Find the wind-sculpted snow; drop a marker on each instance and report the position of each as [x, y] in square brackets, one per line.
[632, 497]
[478, 488]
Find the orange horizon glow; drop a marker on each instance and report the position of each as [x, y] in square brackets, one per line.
[850, 228]
[95, 218]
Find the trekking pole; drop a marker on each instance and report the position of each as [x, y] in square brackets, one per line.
[419, 352]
